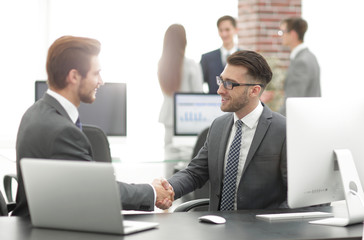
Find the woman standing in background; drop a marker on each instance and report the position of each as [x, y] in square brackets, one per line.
[176, 73]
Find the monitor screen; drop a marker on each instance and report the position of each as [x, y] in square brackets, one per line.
[315, 128]
[193, 112]
[107, 112]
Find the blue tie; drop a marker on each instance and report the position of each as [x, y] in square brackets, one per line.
[229, 186]
[78, 123]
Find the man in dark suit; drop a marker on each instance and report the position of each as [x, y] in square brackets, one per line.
[213, 62]
[244, 155]
[303, 74]
[50, 128]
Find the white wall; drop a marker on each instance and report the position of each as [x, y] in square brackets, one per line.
[21, 60]
[335, 34]
[131, 33]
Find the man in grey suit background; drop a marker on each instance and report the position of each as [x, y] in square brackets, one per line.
[51, 129]
[303, 74]
[213, 62]
[245, 149]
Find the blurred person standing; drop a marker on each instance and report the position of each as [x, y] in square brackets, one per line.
[303, 74]
[176, 73]
[213, 62]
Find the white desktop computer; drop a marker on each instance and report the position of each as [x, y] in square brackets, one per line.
[325, 155]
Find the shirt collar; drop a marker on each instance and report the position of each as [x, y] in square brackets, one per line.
[250, 119]
[224, 51]
[296, 50]
[66, 104]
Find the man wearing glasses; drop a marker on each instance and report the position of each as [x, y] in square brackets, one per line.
[303, 74]
[244, 155]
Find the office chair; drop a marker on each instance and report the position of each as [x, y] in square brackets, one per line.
[193, 205]
[4, 207]
[99, 143]
[8, 186]
[204, 191]
[100, 148]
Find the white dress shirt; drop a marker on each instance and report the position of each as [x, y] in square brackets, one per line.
[225, 53]
[250, 123]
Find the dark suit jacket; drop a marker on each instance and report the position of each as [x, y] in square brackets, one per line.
[264, 180]
[302, 78]
[46, 131]
[211, 64]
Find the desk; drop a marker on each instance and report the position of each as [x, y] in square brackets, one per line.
[240, 225]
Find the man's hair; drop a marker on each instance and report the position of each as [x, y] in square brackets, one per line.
[258, 68]
[297, 24]
[226, 18]
[67, 53]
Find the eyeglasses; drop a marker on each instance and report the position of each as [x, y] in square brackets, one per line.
[281, 32]
[230, 85]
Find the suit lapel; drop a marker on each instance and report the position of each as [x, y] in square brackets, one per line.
[263, 125]
[219, 58]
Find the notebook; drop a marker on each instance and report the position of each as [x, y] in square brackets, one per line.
[75, 195]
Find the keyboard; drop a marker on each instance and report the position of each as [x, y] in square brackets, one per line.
[293, 216]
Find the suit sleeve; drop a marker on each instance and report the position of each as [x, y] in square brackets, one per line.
[205, 69]
[299, 80]
[136, 196]
[193, 177]
[283, 168]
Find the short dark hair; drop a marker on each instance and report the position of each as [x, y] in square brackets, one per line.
[258, 67]
[67, 53]
[226, 18]
[297, 24]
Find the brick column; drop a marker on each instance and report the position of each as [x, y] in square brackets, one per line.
[258, 23]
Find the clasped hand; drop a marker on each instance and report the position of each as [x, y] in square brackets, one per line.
[165, 193]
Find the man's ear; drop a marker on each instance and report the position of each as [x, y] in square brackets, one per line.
[256, 91]
[294, 34]
[73, 77]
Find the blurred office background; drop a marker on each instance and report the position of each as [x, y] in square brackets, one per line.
[131, 33]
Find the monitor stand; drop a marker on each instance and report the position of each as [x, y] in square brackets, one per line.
[353, 192]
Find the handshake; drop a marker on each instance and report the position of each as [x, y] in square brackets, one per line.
[165, 193]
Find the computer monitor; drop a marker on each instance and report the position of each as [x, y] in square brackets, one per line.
[325, 155]
[107, 112]
[193, 112]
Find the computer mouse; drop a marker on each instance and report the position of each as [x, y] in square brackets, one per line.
[212, 219]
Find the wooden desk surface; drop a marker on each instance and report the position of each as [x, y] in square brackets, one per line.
[240, 225]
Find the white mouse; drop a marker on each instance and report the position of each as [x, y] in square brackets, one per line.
[212, 219]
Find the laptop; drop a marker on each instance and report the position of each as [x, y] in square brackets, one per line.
[75, 195]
